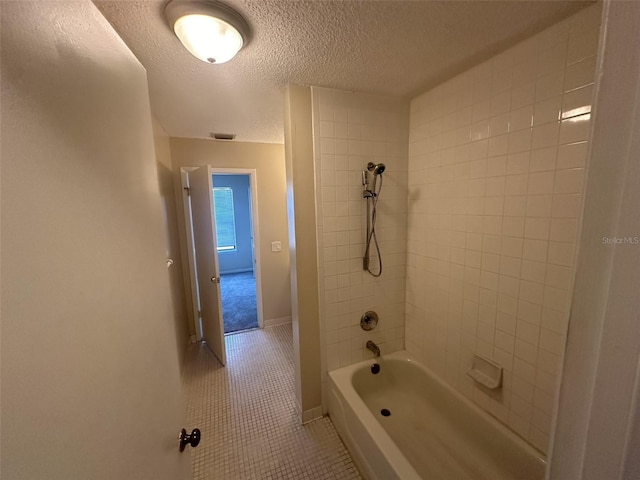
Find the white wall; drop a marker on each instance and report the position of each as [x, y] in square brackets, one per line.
[349, 131]
[268, 161]
[172, 248]
[496, 167]
[242, 258]
[301, 216]
[90, 378]
[599, 407]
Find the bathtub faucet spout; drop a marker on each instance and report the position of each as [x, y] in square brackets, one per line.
[373, 347]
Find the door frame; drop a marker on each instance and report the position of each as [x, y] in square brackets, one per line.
[257, 269]
[188, 226]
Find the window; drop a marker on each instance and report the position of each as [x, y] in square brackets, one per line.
[225, 219]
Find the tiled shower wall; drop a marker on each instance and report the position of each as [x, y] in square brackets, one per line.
[496, 167]
[351, 130]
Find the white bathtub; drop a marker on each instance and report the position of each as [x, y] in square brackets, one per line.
[432, 432]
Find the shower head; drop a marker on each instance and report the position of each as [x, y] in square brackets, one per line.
[377, 169]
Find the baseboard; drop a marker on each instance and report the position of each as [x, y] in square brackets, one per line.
[311, 414]
[308, 415]
[272, 322]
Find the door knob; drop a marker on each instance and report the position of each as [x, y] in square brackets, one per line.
[192, 439]
[215, 279]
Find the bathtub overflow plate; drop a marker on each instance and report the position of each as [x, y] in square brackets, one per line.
[369, 320]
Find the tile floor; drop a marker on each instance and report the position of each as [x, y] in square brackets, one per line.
[247, 415]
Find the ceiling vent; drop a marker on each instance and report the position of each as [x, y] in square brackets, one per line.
[223, 136]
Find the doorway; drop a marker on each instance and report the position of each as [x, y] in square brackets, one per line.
[235, 248]
[204, 217]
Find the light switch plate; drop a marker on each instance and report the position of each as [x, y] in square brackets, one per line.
[276, 246]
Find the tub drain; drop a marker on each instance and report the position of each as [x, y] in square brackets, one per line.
[375, 368]
[385, 412]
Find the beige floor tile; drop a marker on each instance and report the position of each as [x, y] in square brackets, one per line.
[246, 412]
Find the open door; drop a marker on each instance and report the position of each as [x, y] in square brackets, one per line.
[90, 378]
[206, 261]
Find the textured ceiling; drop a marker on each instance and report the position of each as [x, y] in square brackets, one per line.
[398, 48]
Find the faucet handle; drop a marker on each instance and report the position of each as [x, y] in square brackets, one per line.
[369, 320]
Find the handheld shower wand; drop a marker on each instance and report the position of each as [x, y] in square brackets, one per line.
[373, 195]
[377, 169]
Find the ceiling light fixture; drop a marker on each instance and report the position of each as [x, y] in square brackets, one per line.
[210, 30]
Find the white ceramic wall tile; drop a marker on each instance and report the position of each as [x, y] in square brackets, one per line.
[351, 130]
[579, 74]
[496, 172]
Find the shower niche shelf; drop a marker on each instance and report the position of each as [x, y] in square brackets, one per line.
[486, 372]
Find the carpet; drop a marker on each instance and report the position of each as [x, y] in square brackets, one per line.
[239, 310]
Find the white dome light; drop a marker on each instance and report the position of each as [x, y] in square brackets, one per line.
[209, 30]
